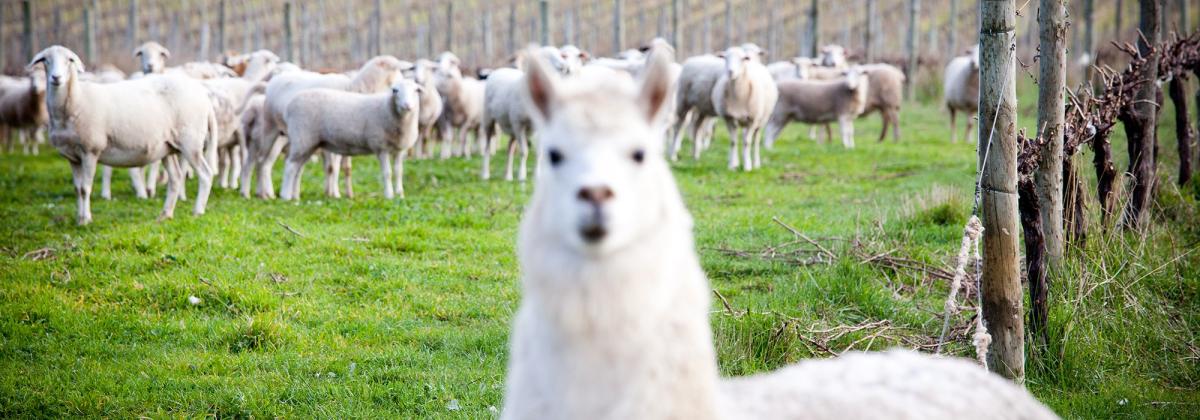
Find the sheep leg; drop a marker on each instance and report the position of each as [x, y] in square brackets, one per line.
[398, 172]
[83, 173]
[249, 164]
[346, 166]
[758, 145]
[152, 177]
[447, 144]
[266, 187]
[204, 176]
[512, 149]
[846, 126]
[829, 133]
[489, 136]
[139, 182]
[953, 127]
[677, 138]
[235, 156]
[385, 167]
[465, 141]
[774, 127]
[733, 143]
[174, 182]
[223, 167]
[894, 116]
[293, 166]
[967, 135]
[106, 182]
[526, 142]
[709, 127]
[883, 115]
[332, 163]
[747, 148]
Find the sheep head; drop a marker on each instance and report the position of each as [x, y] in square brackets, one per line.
[736, 60]
[448, 66]
[574, 58]
[833, 56]
[61, 65]
[406, 96]
[606, 183]
[379, 73]
[152, 56]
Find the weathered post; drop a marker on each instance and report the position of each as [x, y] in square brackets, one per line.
[618, 25]
[27, 29]
[914, 7]
[221, 48]
[544, 12]
[89, 36]
[1139, 119]
[133, 24]
[953, 50]
[512, 27]
[377, 29]
[449, 27]
[1001, 282]
[287, 32]
[1183, 126]
[729, 39]
[814, 30]
[487, 34]
[675, 40]
[1116, 36]
[868, 41]
[1088, 40]
[1185, 20]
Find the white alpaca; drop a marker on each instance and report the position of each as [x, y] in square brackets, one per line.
[613, 321]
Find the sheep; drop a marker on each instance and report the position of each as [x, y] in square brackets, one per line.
[886, 94]
[693, 102]
[614, 314]
[744, 97]
[128, 123]
[462, 106]
[431, 105]
[153, 57]
[23, 108]
[502, 109]
[791, 69]
[346, 123]
[229, 96]
[254, 66]
[262, 148]
[832, 56]
[821, 102]
[107, 73]
[574, 58]
[961, 89]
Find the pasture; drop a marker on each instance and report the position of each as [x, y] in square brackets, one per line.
[367, 307]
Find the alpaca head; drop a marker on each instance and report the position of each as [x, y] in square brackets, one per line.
[605, 183]
[152, 57]
[61, 65]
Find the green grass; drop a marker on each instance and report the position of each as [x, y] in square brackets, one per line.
[399, 308]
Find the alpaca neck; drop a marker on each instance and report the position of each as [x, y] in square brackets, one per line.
[626, 333]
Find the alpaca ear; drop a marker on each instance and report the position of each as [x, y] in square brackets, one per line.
[540, 87]
[656, 84]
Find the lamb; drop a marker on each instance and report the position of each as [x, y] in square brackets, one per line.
[821, 102]
[462, 106]
[503, 110]
[694, 106]
[22, 108]
[431, 104]
[153, 60]
[886, 94]
[833, 55]
[744, 97]
[614, 313]
[348, 123]
[156, 117]
[961, 89]
[263, 148]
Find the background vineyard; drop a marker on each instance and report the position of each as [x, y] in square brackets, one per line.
[338, 34]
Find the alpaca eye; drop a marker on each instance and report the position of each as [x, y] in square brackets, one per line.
[639, 155]
[555, 157]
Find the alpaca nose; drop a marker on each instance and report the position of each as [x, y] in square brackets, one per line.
[595, 195]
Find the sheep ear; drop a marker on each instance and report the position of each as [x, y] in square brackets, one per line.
[540, 89]
[166, 53]
[656, 85]
[584, 55]
[40, 58]
[137, 53]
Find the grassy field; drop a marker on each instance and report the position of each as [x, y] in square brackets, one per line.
[401, 308]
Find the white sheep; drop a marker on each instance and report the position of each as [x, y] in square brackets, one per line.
[961, 90]
[462, 106]
[263, 147]
[347, 123]
[229, 96]
[693, 102]
[886, 96]
[744, 97]
[832, 55]
[129, 123]
[152, 58]
[614, 315]
[503, 108]
[431, 105]
[821, 102]
[23, 108]
[254, 66]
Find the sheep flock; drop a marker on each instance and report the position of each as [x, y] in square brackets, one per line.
[605, 209]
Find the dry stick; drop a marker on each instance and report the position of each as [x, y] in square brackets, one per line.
[806, 238]
[725, 302]
[289, 229]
